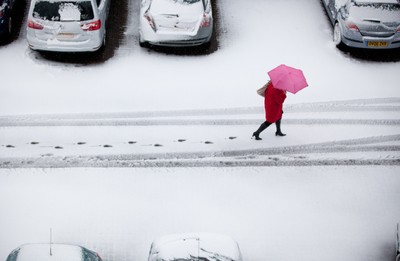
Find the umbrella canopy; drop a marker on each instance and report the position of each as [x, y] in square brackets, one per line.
[287, 78]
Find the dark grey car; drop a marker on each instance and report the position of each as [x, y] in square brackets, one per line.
[365, 23]
[6, 17]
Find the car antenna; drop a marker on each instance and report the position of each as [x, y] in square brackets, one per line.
[51, 241]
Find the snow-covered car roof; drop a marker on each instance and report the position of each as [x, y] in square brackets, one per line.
[207, 246]
[47, 252]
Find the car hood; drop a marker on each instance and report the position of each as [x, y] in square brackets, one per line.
[199, 245]
[41, 252]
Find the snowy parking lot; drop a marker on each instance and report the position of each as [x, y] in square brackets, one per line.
[113, 154]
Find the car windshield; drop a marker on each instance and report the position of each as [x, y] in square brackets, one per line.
[376, 11]
[63, 11]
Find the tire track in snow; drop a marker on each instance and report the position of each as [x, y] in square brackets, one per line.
[147, 118]
[300, 154]
[189, 122]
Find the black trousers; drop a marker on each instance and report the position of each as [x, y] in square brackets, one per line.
[266, 124]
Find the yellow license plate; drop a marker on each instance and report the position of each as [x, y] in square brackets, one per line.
[377, 44]
[66, 35]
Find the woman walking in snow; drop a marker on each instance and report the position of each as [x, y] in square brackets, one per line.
[273, 103]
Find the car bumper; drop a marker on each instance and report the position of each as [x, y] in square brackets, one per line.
[355, 39]
[53, 45]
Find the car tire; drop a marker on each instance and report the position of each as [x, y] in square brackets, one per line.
[337, 36]
[207, 45]
[141, 42]
[104, 39]
[10, 26]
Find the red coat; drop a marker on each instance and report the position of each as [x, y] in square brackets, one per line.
[273, 103]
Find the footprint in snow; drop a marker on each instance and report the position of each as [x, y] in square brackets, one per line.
[10, 146]
[157, 145]
[208, 142]
[181, 140]
[131, 142]
[81, 143]
[58, 147]
[34, 143]
[232, 138]
[107, 146]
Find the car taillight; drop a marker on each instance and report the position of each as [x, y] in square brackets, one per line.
[206, 20]
[92, 26]
[352, 26]
[150, 20]
[35, 25]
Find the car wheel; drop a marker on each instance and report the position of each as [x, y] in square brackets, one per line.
[337, 36]
[141, 42]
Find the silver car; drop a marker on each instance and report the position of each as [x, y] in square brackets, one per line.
[52, 252]
[195, 246]
[175, 22]
[365, 23]
[67, 25]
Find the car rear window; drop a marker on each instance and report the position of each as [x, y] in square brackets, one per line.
[379, 11]
[63, 11]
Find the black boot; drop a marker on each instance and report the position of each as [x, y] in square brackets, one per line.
[278, 128]
[262, 127]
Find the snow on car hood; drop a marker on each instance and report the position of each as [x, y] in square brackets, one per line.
[41, 252]
[204, 245]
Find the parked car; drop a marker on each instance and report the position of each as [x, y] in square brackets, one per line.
[175, 23]
[47, 252]
[6, 17]
[67, 25]
[195, 246]
[365, 23]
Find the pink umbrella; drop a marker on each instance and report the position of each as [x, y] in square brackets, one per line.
[287, 78]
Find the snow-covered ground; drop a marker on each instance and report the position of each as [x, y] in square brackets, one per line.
[275, 213]
[327, 191]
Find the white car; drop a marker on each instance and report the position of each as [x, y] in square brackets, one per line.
[52, 252]
[175, 23]
[67, 26]
[195, 246]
